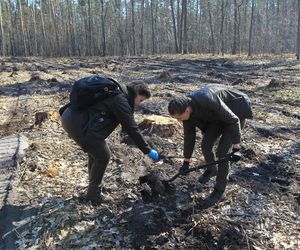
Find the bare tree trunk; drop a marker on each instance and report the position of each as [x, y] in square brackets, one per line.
[221, 42]
[267, 25]
[235, 25]
[133, 27]
[54, 21]
[2, 32]
[43, 41]
[184, 18]
[196, 28]
[180, 23]
[250, 49]
[127, 33]
[152, 28]
[69, 29]
[118, 9]
[211, 29]
[277, 26]
[89, 29]
[200, 24]
[11, 30]
[298, 32]
[142, 27]
[35, 35]
[174, 27]
[103, 29]
[22, 28]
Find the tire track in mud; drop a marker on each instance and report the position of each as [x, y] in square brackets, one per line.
[13, 118]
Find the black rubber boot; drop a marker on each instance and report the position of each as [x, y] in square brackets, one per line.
[93, 195]
[212, 199]
[95, 201]
[205, 177]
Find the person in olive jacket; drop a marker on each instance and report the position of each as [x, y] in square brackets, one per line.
[90, 127]
[219, 113]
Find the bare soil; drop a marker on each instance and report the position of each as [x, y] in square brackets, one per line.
[261, 206]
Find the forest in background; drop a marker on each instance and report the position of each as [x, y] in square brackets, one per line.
[143, 27]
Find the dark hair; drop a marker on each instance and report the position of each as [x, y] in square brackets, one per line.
[139, 88]
[178, 105]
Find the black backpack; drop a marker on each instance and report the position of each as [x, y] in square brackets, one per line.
[89, 90]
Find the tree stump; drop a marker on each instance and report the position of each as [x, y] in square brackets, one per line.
[276, 84]
[40, 117]
[160, 125]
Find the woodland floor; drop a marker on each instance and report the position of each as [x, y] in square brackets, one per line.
[261, 206]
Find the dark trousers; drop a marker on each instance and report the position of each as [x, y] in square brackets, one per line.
[98, 151]
[98, 158]
[215, 131]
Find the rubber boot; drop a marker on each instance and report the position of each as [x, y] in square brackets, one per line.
[212, 199]
[93, 196]
[209, 173]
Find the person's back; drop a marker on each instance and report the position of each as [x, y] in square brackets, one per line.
[237, 101]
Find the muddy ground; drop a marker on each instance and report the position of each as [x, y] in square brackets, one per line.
[261, 206]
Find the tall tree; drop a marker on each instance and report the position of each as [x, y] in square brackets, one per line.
[221, 42]
[90, 49]
[11, 29]
[142, 27]
[133, 27]
[152, 27]
[56, 50]
[44, 49]
[35, 33]
[235, 27]
[23, 32]
[250, 49]
[298, 32]
[2, 32]
[174, 27]
[118, 10]
[184, 19]
[211, 28]
[103, 28]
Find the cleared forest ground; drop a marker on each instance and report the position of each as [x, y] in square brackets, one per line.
[261, 207]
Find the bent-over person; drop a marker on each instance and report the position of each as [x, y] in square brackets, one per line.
[90, 127]
[220, 114]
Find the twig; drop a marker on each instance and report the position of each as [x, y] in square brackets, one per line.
[16, 228]
[246, 236]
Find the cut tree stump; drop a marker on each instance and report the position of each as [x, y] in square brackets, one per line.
[40, 117]
[160, 125]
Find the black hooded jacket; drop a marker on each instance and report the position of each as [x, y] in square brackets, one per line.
[211, 104]
[100, 120]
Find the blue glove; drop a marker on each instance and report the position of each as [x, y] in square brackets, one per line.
[154, 155]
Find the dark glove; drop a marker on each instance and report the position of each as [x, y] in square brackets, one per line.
[165, 159]
[154, 155]
[184, 169]
[235, 155]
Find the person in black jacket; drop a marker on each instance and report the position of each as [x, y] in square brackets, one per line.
[90, 127]
[220, 114]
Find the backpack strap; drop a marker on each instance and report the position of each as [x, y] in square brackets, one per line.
[122, 87]
[63, 108]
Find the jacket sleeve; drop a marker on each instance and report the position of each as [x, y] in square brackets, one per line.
[123, 113]
[189, 139]
[217, 106]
